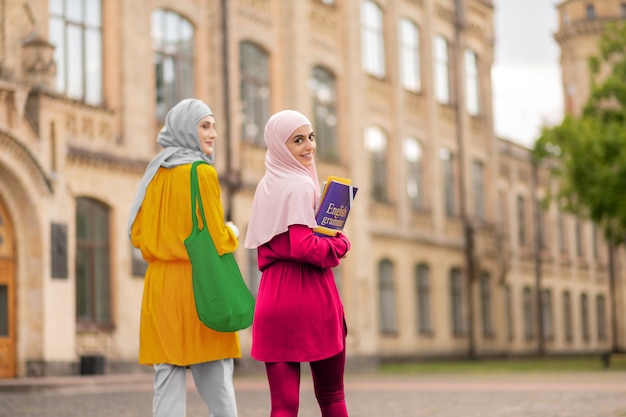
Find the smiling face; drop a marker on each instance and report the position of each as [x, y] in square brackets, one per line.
[302, 145]
[207, 134]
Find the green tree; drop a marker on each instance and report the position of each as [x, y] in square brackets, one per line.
[587, 154]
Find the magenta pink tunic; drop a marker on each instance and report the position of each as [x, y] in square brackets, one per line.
[298, 315]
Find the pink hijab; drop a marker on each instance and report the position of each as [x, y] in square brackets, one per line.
[288, 192]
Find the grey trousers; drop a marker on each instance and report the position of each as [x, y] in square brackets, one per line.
[213, 380]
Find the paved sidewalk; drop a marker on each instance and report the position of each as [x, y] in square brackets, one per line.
[597, 394]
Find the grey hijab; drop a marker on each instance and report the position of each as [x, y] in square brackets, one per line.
[180, 142]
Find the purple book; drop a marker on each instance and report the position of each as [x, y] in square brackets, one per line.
[334, 207]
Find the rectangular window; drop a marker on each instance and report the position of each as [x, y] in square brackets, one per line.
[529, 327]
[479, 190]
[508, 308]
[93, 287]
[75, 30]
[172, 41]
[546, 311]
[584, 317]
[601, 317]
[456, 301]
[449, 183]
[58, 241]
[568, 327]
[255, 92]
[579, 238]
[376, 144]
[521, 220]
[324, 91]
[388, 321]
[472, 90]
[409, 56]
[373, 46]
[541, 216]
[561, 231]
[485, 296]
[442, 70]
[413, 154]
[423, 299]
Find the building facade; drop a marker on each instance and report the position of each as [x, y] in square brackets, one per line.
[399, 91]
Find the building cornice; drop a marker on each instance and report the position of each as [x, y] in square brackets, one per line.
[106, 160]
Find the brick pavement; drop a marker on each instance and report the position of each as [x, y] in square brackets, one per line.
[597, 394]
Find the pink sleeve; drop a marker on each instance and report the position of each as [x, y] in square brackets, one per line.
[307, 247]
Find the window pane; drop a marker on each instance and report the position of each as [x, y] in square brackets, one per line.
[56, 6]
[82, 284]
[387, 297]
[479, 190]
[323, 91]
[74, 10]
[442, 72]
[93, 13]
[101, 282]
[93, 294]
[471, 83]
[255, 91]
[409, 55]
[57, 37]
[93, 69]
[172, 40]
[372, 42]
[75, 31]
[413, 156]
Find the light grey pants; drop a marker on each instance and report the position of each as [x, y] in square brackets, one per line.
[214, 382]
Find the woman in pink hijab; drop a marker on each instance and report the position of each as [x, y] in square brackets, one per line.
[299, 315]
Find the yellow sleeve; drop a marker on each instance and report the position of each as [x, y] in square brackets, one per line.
[223, 236]
[135, 231]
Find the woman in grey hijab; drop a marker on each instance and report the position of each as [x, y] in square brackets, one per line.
[172, 337]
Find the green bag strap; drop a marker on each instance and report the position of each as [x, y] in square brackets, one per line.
[195, 195]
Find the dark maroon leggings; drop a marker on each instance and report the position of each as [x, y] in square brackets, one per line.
[284, 382]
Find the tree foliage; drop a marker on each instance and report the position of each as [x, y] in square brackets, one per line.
[588, 153]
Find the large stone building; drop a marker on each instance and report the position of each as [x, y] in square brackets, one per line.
[399, 92]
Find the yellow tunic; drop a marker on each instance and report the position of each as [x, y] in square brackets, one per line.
[170, 331]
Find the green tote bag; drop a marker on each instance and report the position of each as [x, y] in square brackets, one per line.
[223, 300]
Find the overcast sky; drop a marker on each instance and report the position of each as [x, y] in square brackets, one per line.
[526, 76]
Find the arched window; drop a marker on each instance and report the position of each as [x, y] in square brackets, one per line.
[255, 91]
[324, 92]
[387, 300]
[75, 30]
[93, 264]
[172, 41]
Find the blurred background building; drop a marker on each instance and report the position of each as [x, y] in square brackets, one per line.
[453, 254]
